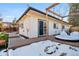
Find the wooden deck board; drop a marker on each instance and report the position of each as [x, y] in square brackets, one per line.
[18, 42]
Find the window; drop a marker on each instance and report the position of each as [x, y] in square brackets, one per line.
[21, 25]
[63, 27]
[55, 26]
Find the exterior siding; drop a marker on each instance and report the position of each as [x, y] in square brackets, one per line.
[52, 30]
[30, 25]
[33, 27]
[30, 28]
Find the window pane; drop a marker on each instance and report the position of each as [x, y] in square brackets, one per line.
[54, 25]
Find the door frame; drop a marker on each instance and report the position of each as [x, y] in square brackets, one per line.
[44, 28]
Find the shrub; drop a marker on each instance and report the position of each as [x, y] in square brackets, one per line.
[4, 36]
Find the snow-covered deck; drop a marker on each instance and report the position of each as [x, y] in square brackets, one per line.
[43, 48]
[19, 41]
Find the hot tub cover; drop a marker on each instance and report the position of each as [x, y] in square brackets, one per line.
[73, 36]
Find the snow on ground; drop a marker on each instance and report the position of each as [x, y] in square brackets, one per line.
[3, 53]
[44, 48]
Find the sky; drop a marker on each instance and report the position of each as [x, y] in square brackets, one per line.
[9, 11]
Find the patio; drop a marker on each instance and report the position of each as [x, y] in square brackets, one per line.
[19, 41]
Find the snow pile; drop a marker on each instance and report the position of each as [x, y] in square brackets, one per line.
[73, 36]
[63, 35]
[3, 53]
[45, 48]
[50, 49]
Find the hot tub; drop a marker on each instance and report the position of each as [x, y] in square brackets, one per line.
[74, 36]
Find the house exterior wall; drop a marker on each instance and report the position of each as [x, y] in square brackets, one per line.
[30, 24]
[53, 30]
[29, 28]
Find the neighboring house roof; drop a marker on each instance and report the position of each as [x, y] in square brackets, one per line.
[31, 8]
[7, 22]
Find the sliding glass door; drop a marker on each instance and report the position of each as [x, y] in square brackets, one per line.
[41, 27]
